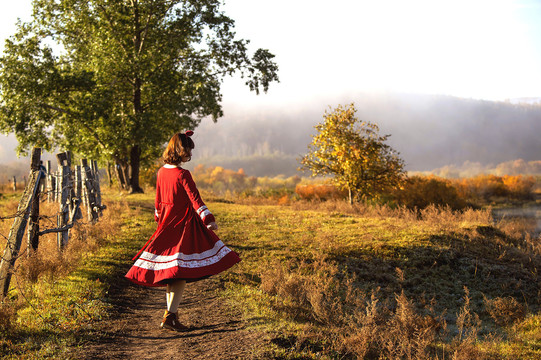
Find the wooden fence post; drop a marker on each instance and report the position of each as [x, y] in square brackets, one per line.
[57, 186]
[33, 226]
[50, 183]
[14, 183]
[84, 165]
[90, 192]
[64, 199]
[77, 182]
[97, 186]
[16, 232]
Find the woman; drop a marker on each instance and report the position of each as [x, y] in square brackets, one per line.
[184, 247]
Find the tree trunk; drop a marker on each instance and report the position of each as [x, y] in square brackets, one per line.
[135, 162]
[350, 196]
[109, 173]
[121, 172]
[135, 152]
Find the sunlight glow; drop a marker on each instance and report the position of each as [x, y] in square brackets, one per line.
[477, 49]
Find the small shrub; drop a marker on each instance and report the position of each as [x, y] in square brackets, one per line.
[504, 311]
[408, 335]
[419, 192]
[319, 192]
[520, 187]
[467, 320]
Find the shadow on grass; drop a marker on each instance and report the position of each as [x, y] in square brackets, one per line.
[489, 265]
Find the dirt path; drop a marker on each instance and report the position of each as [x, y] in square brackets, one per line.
[217, 330]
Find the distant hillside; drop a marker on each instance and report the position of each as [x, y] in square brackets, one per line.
[471, 169]
[429, 131]
[525, 100]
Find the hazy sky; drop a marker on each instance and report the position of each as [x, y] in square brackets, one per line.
[489, 49]
[468, 48]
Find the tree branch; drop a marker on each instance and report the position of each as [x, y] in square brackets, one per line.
[110, 21]
[71, 113]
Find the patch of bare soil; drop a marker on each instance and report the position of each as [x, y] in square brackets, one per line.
[217, 331]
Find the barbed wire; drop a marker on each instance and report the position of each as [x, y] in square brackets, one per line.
[63, 191]
[17, 214]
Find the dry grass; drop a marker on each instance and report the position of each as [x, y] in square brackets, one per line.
[84, 238]
[505, 311]
[34, 277]
[8, 316]
[362, 281]
[371, 282]
[358, 324]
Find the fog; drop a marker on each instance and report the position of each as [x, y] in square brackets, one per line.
[448, 135]
[429, 132]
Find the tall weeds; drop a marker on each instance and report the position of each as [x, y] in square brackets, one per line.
[359, 324]
[34, 274]
[395, 283]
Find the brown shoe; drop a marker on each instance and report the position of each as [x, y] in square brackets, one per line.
[171, 322]
[165, 316]
[163, 320]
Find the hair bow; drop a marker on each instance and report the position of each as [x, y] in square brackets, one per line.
[189, 133]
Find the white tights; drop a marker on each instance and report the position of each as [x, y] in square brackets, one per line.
[173, 294]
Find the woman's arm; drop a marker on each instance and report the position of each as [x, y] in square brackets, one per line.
[197, 203]
[157, 201]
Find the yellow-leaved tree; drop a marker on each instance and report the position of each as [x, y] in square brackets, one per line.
[354, 153]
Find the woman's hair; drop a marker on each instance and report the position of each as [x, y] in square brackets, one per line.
[179, 146]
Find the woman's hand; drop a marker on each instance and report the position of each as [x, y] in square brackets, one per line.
[212, 226]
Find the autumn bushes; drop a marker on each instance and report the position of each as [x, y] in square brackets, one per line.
[319, 192]
[416, 192]
[421, 191]
[224, 182]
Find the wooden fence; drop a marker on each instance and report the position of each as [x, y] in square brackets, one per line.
[66, 187]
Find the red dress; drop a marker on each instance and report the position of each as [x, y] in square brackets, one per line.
[182, 247]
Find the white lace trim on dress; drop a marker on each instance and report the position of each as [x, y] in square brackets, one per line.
[179, 262]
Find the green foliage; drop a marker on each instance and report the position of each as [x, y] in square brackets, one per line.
[354, 153]
[114, 80]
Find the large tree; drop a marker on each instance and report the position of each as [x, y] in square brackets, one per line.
[113, 80]
[354, 154]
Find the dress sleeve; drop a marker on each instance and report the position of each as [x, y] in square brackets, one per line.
[197, 203]
[157, 207]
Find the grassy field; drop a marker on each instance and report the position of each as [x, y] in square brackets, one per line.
[342, 282]
[319, 280]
